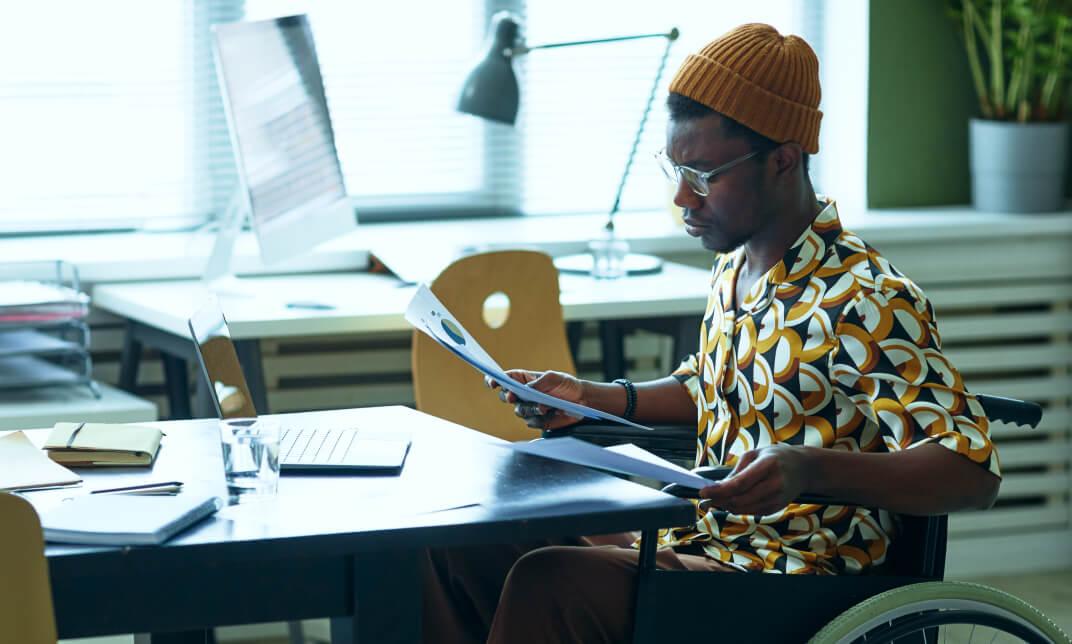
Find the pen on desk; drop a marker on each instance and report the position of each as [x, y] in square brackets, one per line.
[46, 488]
[163, 487]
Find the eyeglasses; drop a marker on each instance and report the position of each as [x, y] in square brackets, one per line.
[698, 181]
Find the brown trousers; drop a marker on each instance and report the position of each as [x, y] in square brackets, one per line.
[579, 590]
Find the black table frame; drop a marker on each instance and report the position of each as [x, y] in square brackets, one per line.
[368, 581]
[178, 599]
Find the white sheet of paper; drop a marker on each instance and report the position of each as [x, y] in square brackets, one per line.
[632, 451]
[573, 450]
[414, 268]
[24, 466]
[427, 314]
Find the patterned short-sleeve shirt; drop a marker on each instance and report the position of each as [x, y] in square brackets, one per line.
[832, 348]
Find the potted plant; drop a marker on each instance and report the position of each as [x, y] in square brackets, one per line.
[1020, 55]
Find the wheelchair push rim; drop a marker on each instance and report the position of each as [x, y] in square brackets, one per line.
[928, 605]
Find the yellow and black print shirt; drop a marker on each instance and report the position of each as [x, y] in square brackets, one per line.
[832, 348]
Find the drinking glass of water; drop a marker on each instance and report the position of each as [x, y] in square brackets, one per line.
[250, 457]
[608, 257]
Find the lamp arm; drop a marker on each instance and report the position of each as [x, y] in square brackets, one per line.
[640, 131]
[521, 48]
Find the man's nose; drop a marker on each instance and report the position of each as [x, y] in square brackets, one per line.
[686, 197]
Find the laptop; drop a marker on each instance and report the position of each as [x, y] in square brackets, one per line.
[301, 447]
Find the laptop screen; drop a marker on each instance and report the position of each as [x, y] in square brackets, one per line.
[219, 362]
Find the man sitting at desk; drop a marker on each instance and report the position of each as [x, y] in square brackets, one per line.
[819, 364]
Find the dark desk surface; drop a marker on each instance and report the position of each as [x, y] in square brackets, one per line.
[301, 554]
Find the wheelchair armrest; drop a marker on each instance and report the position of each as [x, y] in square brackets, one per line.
[673, 442]
[717, 473]
[592, 428]
[1010, 410]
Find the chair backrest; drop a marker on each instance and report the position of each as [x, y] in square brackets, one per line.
[532, 336]
[25, 593]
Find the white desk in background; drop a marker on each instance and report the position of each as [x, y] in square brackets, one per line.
[671, 301]
[41, 407]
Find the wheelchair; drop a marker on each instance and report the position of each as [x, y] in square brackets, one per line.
[905, 600]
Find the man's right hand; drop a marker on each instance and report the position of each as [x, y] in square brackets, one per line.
[553, 383]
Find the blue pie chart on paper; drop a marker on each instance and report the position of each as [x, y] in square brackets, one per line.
[453, 331]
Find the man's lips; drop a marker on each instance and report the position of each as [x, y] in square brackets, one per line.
[694, 227]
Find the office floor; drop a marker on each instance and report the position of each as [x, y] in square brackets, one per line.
[1050, 592]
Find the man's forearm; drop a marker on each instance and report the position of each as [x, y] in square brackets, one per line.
[662, 401]
[928, 479]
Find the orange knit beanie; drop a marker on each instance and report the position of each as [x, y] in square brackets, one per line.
[760, 78]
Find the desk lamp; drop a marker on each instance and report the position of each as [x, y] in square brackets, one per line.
[491, 91]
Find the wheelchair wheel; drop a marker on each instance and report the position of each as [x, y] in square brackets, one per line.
[962, 612]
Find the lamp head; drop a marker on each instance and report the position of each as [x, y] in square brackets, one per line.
[490, 90]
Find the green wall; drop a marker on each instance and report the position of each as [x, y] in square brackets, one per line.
[920, 98]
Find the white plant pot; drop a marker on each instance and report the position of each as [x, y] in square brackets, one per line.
[1018, 167]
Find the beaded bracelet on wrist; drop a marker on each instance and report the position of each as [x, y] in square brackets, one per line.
[630, 397]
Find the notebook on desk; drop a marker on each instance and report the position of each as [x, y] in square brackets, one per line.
[103, 444]
[124, 520]
[301, 448]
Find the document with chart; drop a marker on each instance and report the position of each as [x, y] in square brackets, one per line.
[428, 315]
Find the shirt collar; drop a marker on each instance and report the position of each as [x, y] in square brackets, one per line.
[800, 261]
[809, 247]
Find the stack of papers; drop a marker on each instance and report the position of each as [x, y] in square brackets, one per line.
[103, 444]
[24, 467]
[124, 519]
[621, 459]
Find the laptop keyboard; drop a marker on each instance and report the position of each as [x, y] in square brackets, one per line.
[315, 446]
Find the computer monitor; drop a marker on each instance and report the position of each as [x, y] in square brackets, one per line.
[290, 181]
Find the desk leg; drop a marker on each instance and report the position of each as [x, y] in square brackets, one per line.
[686, 338]
[644, 613]
[249, 356]
[387, 600]
[574, 333]
[177, 381]
[129, 360]
[612, 348]
[175, 352]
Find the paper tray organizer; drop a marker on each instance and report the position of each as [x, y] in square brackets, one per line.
[44, 339]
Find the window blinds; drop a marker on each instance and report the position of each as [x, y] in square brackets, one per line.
[112, 118]
[581, 106]
[106, 113]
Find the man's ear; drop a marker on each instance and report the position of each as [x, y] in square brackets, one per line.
[787, 158]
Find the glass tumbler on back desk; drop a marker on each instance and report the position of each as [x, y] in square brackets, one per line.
[608, 257]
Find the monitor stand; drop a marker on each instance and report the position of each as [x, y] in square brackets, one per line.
[218, 276]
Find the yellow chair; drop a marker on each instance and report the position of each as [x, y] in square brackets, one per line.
[25, 594]
[532, 336]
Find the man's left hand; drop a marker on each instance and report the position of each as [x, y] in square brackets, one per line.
[764, 481]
